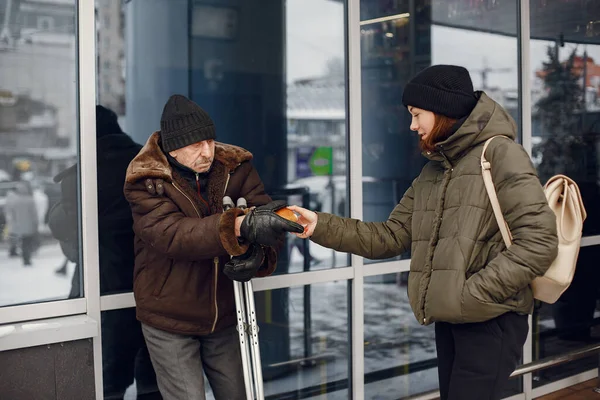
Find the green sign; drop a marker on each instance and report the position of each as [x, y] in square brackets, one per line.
[321, 161]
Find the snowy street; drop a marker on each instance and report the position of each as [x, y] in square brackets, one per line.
[37, 283]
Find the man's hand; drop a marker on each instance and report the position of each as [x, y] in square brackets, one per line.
[261, 225]
[243, 268]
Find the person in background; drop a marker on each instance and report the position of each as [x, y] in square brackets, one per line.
[462, 277]
[124, 353]
[22, 217]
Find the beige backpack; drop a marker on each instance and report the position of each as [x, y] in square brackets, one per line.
[564, 199]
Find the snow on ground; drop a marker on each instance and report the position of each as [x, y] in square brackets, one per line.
[19, 284]
[36, 283]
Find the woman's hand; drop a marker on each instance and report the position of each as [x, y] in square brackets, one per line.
[308, 220]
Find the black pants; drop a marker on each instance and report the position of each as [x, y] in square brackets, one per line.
[476, 360]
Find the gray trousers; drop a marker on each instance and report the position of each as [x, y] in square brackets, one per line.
[180, 360]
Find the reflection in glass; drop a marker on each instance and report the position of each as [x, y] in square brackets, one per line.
[126, 367]
[38, 139]
[570, 323]
[565, 128]
[565, 119]
[305, 341]
[400, 355]
[394, 50]
[276, 87]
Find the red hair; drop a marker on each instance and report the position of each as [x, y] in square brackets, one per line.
[442, 129]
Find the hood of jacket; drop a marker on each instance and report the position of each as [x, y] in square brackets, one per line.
[487, 119]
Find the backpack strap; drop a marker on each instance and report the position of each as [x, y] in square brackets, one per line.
[486, 172]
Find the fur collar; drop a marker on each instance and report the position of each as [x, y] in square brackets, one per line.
[151, 162]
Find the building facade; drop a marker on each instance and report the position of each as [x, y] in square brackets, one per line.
[313, 89]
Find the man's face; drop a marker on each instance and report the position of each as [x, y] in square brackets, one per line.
[198, 156]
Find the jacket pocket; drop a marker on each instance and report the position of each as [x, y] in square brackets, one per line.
[515, 300]
[475, 310]
[161, 279]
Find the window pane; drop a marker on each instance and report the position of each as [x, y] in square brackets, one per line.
[272, 77]
[565, 51]
[565, 117]
[570, 323]
[115, 150]
[396, 49]
[305, 341]
[567, 143]
[276, 87]
[38, 140]
[400, 355]
[126, 367]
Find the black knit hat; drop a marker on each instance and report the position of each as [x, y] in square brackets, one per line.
[184, 122]
[442, 89]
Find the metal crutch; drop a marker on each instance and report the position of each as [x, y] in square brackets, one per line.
[245, 310]
[246, 290]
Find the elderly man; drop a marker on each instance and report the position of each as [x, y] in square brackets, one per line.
[183, 244]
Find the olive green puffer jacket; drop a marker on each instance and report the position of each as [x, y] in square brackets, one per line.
[460, 269]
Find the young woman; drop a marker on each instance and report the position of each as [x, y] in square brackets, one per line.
[462, 278]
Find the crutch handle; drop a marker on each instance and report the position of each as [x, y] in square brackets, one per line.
[227, 203]
[241, 203]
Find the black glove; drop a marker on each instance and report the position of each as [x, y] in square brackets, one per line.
[261, 225]
[243, 268]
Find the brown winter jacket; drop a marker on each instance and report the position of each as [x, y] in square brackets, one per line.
[179, 285]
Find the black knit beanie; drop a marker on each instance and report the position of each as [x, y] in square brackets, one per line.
[442, 89]
[184, 122]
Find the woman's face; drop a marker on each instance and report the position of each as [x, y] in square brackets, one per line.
[422, 121]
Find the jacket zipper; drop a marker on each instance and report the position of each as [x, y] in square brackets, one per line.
[199, 194]
[449, 169]
[186, 196]
[216, 262]
[445, 158]
[216, 259]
